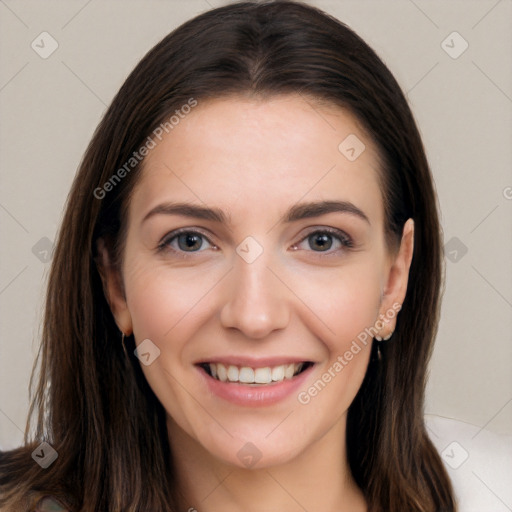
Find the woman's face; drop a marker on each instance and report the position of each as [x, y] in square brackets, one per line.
[281, 266]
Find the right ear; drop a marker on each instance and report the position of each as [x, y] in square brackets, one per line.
[113, 289]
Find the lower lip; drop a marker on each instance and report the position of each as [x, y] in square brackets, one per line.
[257, 395]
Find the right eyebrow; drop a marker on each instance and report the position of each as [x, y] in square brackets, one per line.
[189, 210]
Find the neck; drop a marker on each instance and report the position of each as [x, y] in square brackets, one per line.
[318, 479]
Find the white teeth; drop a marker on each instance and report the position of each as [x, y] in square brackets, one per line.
[263, 375]
[233, 374]
[278, 373]
[222, 373]
[247, 375]
[288, 373]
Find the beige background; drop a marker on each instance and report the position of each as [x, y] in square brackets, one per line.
[50, 107]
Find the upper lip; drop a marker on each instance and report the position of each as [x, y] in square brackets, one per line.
[252, 362]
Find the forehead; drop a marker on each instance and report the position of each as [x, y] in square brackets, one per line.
[261, 155]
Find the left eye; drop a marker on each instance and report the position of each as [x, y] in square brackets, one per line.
[323, 240]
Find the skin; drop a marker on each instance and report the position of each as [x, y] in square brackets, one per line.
[254, 159]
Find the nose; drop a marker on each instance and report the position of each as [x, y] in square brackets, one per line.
[255, 301]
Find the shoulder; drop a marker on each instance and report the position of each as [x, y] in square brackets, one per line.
[478, 461]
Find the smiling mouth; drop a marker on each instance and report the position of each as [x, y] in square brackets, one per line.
[254, 376]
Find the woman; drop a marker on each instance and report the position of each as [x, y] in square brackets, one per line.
[245, 289]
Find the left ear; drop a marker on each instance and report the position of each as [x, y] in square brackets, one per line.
[396, 283]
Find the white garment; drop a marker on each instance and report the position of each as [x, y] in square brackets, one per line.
[478, 461]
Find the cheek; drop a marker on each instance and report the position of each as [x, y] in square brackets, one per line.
[163, 301]
[345, 300]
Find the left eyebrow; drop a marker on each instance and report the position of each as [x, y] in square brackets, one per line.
[295, 213]
[318, 208]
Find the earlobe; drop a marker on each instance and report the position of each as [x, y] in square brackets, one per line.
[112, 288]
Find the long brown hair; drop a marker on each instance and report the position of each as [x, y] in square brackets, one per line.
[93, 404]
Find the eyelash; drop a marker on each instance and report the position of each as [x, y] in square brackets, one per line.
[345, 241]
